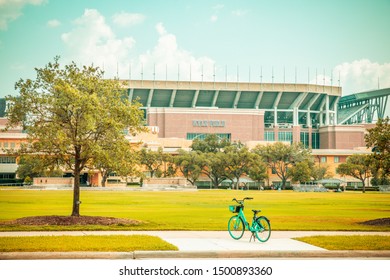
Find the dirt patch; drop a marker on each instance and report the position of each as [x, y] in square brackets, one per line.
[377, 222]
[70, 220]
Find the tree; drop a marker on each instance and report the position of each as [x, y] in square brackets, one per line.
[238, 160]
[115, 156]
[378, 139]
[153, 161]
[257, 171]
[357, 166]
[211, 144]
[280, 157]
[211, 149]
[300, 172]
[190, 164]
[68, 112]
[215, 167]
[320, 172]
[37, 166]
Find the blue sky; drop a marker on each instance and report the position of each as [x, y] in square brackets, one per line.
[331, 42]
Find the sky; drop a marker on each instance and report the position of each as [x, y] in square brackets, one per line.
[329, 42]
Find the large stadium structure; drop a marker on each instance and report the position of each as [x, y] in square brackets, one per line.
[179, 111]
[316, 115]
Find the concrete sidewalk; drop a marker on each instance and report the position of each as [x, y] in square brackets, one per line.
[209, 244]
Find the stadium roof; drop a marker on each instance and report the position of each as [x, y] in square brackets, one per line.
[232, 95]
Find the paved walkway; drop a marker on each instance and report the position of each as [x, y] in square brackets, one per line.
[210, 244]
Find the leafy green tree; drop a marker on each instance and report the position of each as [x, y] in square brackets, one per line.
[280, 157]
[378, 139]
[37, 166]
[190, 165]
[115, 156]
[215, 167]
[257, 170]
[320, 172]
[211, 149]
[153, 161]
[238, 161]
[169, 168]
[68, 112]
[300, 172]
[357, 166]
[211, 144]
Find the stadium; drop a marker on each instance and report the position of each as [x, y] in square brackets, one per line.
[177, 112]
[316, 115]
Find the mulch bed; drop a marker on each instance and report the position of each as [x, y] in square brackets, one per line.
[70, 220]
[377, 222]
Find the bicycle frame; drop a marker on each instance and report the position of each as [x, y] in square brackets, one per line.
[246, 223]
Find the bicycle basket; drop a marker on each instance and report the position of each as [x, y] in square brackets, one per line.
[235, 208]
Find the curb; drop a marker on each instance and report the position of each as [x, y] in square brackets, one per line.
[195, 255]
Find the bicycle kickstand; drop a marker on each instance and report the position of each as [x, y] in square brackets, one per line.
[253, 236]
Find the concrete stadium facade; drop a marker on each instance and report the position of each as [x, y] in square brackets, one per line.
[305, 113]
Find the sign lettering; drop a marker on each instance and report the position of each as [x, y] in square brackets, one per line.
[205, 123]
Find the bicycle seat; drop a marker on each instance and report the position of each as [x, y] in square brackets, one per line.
[256, 211]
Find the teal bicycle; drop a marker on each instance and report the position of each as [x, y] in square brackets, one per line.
[260, 227]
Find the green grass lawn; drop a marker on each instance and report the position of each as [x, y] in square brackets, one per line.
[201, 210]
[111, 243]
[355, 242]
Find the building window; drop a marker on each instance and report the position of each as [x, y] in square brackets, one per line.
[315, 140]
[323, 159]
[336, 159]
[202, 136]
[269, 136]
[7, 175]
[285, 136]
[305, 139]
[7, 160]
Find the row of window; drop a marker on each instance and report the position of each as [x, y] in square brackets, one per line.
[7, 145]
[7, 176]
[7, 160]
[202, 136]
[336, 159]
[288, 137]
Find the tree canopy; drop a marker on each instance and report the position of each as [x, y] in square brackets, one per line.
[69, 114]
[281, 157]
[378, 139]
[357, 166]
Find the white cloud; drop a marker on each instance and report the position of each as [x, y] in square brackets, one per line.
[213, 18]
[167, 59]
[362, 75]
[160, 29]
[239, 13]
[93, 41]
[53, 23]
[218, 7]
[356, 76]
[12, 9]
[124, 19]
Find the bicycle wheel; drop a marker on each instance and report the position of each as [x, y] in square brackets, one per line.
[236, 227]
[262, 228]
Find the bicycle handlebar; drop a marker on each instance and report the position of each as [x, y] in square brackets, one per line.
[242, 201]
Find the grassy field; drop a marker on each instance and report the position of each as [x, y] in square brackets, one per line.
[356, 242]
[202, 210]
[112, 243]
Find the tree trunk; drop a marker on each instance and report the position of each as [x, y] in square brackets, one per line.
[76, 192]
[104, 178]
[76, 185]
